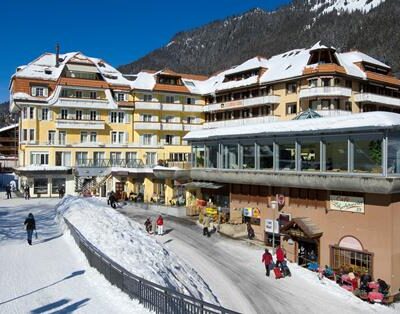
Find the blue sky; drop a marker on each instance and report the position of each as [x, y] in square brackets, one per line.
[119, 31]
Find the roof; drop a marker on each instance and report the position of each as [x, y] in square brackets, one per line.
[308, 114]
[9, 127]
[306, 225]
[359, 121]
[204, 185]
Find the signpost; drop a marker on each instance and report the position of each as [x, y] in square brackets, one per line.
[273, 206]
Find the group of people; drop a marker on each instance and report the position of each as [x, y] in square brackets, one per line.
[159, 225]
[280, 268]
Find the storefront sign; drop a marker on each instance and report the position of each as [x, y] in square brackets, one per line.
[256, 213]
[270, 227]
[351, 243]
[247, 212]
[347, 203]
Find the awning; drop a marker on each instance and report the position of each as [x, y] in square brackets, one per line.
[302, 227]
[82, 68]
[204, 185]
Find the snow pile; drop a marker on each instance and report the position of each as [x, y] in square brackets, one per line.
[127, 243]
[346, 5]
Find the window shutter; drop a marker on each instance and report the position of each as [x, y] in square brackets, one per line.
[127, 117]
[111, 141]
[126, 139]
[33, 91]
[109, 116]
[50, 115]
[45, 92]
[39, 114]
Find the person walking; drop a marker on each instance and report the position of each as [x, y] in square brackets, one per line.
[206, 226]
[160, 225]
[267, 260]
[27, 193]
[280, 256]
[112, 200]
[30, 226]
[147, 225]
[8, 191]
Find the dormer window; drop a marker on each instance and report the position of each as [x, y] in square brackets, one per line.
[323, 56]
[48, 71]
[121, 97]
[39, 91]
[169, 80]
[242, 75]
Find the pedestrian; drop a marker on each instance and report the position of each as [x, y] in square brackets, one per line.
[267, 260]
[206, 226]
[8, 191]
[27, 193]
[250, 231]
[60, 192]
[160, 225]
[112, 200]
[30, 226]
[280, 256]
[147, 225]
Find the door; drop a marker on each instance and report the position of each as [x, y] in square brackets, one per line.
[307, 252]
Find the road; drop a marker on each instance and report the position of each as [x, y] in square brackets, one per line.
[235, 274]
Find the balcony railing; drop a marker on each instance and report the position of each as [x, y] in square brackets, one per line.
[147, 125]
[80, 124]
[147, 105]
[192, 127]
[172, 127]
[248, 102]
[325, 91]
[378, 99]
[239, 122]
[172, 107]
[193, 108]
[106, 163]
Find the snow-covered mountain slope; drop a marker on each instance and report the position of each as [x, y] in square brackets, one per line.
[345, 5]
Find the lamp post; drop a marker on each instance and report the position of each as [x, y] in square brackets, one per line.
[273, 206]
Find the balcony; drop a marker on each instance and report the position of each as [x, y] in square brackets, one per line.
[377, 99]
[239, 122]
[147, 125]
[172, 127]
[193, 108]
[241, 103]
[325, 91]
[147, 105]
[80, 124]
[172, 107]
[192, 127]
[106, 163]
[82, 102]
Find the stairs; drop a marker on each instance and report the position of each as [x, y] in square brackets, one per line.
[93, 184]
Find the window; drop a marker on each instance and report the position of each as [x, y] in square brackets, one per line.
[84, 137]
[248, 157]
[31, 113]
[93, 137]
[121, 97]
[190, 101]
[198, 160]
[31, 134]
[349, 84]
[291, 108]
[39, 158]
[117, 137]
[113, 117]
[368, 154]
[93, 115]
[146, 118]
[393, 159]
[147, 98]
[169, 99]
[336, 155]
[78, 94]
[63, 159]
[98, 158]
[64, 114]
[56, 183]
[121, 137]
[78, 114]
[24, 134]
[81, 158]
[40, 185]
[25, 113]
[291, 88]
[115, 158]
[168, 139]
[146, 139]
[313, 83]
[310, 156]
[326, 82]
[169, 119]
[151, 158]
[212, 156]
[287, 156]
[266, 156]
[39, 91]
[93, 95]
[360, 262]
[131, 158]
[230, 157]
[52, 137]
[45, 114]
[62, 137]
[121, 116]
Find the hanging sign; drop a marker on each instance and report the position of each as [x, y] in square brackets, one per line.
[256, 213]
[347, 203]
[247, 212]
[270, 227]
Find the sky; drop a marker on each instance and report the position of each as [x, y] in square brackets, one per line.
[118, 31]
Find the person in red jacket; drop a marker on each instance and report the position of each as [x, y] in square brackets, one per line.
[160, 225]
[280, 256]
[267, 260]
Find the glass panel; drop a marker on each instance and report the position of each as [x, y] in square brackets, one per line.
[287, 156]
[336, 155]
[368, 154]
[310, 156]
[394, 153]
[56, 183]
[248, 157]
[266, 156]
[40, 185]
[231, 157]
[212, 156]
[199, 156]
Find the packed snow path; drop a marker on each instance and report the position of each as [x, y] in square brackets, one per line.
[51, 276]
[234, 272]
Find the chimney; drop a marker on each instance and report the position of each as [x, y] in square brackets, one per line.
[57, 55]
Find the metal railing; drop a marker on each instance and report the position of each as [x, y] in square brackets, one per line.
[106, 163]
[152, 296]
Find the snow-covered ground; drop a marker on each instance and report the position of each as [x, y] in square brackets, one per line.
[234, 272]
[53, 275]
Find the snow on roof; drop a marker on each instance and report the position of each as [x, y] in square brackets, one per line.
[359, 121]
[144, 80]
[9, 127]
[251, 64]
[357, 56]
[318, 46]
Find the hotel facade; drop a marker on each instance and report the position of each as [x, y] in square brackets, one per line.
[314, 130]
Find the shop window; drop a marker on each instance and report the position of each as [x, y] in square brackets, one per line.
[198, 156]
[248, 157]
[310, 156]
[40, 186]
[348, 259]
[212, 156]
[287, 156]
[56, 183]
[266, 157]
[368, 154]
[394, 153]
[231, 157]
[336, 155]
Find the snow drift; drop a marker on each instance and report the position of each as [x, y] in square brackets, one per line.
[127, 243]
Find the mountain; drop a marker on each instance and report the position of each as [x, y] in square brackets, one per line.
[5, 117]
[371, 26]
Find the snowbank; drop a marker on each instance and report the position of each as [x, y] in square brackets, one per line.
[127, 243]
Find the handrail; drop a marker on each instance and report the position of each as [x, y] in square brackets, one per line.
[173, 301]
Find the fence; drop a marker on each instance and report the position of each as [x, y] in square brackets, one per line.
[153, 296]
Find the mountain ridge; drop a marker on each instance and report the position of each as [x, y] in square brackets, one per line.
[224, 43]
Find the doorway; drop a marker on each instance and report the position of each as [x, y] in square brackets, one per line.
[307, 252]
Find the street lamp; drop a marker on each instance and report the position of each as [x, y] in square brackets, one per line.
[274, 205]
